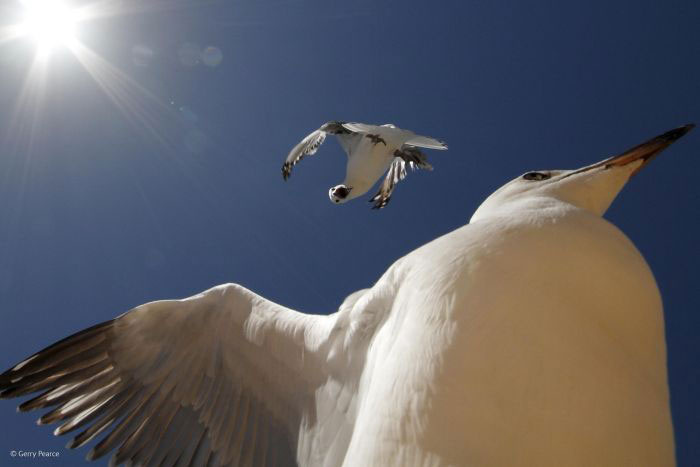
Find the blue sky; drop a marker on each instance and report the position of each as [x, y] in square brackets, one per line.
[153, 172]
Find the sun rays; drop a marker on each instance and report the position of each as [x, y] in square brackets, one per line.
[53, 26]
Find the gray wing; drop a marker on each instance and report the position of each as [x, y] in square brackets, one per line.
[309, 145]
[216, 379]
[408, 156]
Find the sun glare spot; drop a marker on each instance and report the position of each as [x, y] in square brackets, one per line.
[50, 22]
[53, 24]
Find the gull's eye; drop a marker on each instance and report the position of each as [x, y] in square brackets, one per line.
[536, 176]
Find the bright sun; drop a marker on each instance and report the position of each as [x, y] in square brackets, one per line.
[54, 25]
[50, 22]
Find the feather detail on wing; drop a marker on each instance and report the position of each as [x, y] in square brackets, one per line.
[406, 157]
[363, 127]
[309, 145]
[425, 142]
[216, 379]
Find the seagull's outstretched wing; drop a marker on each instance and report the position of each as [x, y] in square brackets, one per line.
[412, 139]
[215, 379]
[407, 156]
[309, 145]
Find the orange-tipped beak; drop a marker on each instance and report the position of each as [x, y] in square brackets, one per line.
[645, 151]
[648, 150]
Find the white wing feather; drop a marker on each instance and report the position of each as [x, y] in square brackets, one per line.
[412, 139]
[221, 378]
[363, 127]
[425, 142]
[307, 147]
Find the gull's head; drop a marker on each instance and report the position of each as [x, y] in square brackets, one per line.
[339, 194]
[593, 187]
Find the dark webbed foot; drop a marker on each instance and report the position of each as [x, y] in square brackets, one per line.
[376, 139]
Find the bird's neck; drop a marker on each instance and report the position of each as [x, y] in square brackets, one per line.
[532, 207]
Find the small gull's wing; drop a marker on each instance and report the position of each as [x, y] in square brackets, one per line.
[412, 139]
[220, 378]
[364, 127]
[425, 142]
[408, 156]
[309, 145]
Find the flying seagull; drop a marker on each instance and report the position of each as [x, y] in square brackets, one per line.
[372, 150]
[531, 336]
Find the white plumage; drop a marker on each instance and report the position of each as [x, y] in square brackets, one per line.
[531, 336]
[372, 150]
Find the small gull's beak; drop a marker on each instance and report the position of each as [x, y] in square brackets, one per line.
[645, 151]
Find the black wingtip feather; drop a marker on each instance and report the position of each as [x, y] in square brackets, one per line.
[286, 171]
[41, 360]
